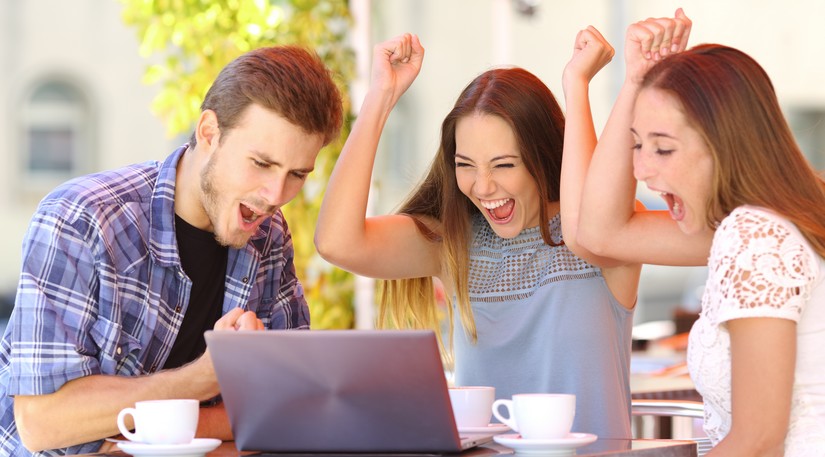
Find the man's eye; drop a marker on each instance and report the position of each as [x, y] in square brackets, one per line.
[260, 164]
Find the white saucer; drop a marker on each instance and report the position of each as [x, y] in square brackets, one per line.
[489, 428]
[197, 448]
[560, 446]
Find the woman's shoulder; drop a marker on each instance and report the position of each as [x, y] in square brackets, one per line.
[747, 223]
[750, 215]
[759, 257]
[758, 231]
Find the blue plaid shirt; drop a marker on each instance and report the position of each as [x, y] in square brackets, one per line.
[102, 290]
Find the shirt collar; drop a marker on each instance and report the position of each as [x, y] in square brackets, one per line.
[162, 240]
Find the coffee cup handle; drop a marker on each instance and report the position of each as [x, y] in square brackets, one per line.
[510, 420]
[122, 426]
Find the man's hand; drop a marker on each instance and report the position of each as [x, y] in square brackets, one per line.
[238, 319]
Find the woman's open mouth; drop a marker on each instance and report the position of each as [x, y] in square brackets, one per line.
[675, 206]
[501, 210]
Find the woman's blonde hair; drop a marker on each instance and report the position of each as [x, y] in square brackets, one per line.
[532, 112]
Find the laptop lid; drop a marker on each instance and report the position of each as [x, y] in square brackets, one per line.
[336, 391]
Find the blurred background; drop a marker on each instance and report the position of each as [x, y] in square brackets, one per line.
[89, 85]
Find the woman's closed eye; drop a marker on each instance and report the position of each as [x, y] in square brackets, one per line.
[658, 151]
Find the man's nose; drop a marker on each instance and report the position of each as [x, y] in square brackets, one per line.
[273, 192]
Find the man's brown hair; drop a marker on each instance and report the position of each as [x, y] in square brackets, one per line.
[289, 80]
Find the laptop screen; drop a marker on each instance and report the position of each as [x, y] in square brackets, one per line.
[335, 390]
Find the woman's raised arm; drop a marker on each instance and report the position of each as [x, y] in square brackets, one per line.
[614, 227]
[386, 247]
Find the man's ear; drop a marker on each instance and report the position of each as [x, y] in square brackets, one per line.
[207, 131]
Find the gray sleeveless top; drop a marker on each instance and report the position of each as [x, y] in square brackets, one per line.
[546, 322]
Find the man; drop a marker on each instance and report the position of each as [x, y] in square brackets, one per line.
[124, 270]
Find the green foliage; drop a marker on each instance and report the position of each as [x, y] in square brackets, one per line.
[190, 41]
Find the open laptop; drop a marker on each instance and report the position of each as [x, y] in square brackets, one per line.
[336, 391]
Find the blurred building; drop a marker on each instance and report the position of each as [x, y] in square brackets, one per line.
[72, 101]
[463, 38]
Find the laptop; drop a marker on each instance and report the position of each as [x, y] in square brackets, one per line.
[336, 391]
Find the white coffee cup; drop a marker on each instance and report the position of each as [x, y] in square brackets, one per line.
[161, 421]
[538, 416]
[472, 405]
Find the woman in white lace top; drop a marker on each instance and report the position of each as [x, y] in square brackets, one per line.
[705, 130]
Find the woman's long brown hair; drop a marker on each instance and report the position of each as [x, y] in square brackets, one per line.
[729, 98]
[532, 112]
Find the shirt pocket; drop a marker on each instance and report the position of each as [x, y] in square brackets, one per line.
[116, 348]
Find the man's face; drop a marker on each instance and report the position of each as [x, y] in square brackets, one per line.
[256, 167]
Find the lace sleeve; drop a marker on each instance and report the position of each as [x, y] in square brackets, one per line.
[760, 266]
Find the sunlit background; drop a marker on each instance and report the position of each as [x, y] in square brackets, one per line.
[73, 100]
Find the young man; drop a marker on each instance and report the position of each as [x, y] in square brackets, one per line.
[124, 270]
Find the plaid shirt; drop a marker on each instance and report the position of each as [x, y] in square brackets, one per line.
[102, 290]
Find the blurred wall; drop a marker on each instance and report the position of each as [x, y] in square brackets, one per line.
[463, 38]
[84, 43]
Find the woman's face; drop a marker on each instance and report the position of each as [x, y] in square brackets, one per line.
[490, 172]
[672, 158]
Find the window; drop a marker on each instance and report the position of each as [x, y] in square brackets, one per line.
[56, 136]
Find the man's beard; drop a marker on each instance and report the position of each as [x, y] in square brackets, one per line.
[209, 200]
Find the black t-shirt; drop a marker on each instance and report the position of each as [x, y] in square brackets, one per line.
[204, 261]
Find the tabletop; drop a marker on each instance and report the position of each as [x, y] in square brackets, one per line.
[601, 447]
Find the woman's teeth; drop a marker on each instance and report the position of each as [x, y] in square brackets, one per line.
[675, 205]
[493, 204]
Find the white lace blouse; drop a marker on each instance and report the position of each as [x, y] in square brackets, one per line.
[761, 266]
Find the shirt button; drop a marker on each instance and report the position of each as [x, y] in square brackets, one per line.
[119, 350]
[153, 369]
[245, 279]
[177, 309]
